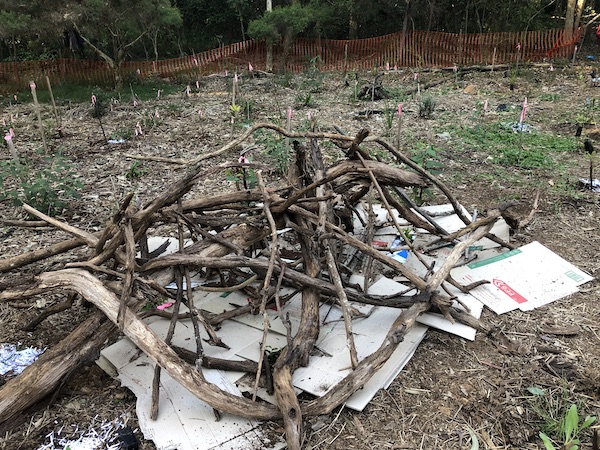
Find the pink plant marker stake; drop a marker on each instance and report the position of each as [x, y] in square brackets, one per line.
[523, 111]
[165, 305]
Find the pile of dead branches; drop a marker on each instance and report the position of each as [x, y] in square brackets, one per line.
[239, 241]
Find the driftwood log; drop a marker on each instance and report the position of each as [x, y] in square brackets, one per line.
[239, 230]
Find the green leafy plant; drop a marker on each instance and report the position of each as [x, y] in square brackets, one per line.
[46, 183]
[569, 431]
[150, 119]
[389, 114]
[313, 77]
[235, 110]
[243, 178]
[304, 100]
[562, 427]
[276, 148]
[428, 158]
[426, 106]
[538, 150]
[135, 171]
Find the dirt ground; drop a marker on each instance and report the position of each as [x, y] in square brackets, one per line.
[453, 392]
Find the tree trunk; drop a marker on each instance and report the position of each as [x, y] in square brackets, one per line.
[578, 12]
[570, 18]
[269, 61]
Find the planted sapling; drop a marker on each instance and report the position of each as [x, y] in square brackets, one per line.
[99, 110]
[589, 148]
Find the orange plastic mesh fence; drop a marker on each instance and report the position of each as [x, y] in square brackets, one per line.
[419, 49]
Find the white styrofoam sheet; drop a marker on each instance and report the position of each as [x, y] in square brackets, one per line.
[229, 301]
[191, 423]
[184, 422]
[332, 363]
[387, 286]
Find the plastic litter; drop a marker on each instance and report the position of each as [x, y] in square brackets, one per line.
[15, 361]
[105, 435]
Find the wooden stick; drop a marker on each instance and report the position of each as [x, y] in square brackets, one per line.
[56, 116]
[15, 262]
[88, 238]
[343, 302]
[265, 287]
[39, 115]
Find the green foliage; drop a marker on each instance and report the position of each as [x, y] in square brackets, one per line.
[243, 178]
[532, 150]
[426, 106]
[276, 148]
[45, 183]
[562, 428]
[135, 171]
[100, 106]
[124, 133]
[396, 94]
[389, 114]
[283, 20]
[304, 100]
[150, 119]
[428, 158]
[313, 77]
[68, 93]
[235, 110]
[550, 97]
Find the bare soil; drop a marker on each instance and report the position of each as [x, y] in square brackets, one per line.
[453, 391]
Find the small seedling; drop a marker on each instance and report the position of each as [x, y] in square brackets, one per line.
[99, 110]
[427, 107]
[235, 110]
[562, 424]
[428, 158]
[135, 171]
[304, 100]
[589, 148]
[276, 148]
[569, 431]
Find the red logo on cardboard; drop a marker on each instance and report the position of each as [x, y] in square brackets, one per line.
[509, 291]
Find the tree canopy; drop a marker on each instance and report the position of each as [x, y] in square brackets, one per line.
[146, 29]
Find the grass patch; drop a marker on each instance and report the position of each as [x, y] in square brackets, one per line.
[533, 150]
[65, 93]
